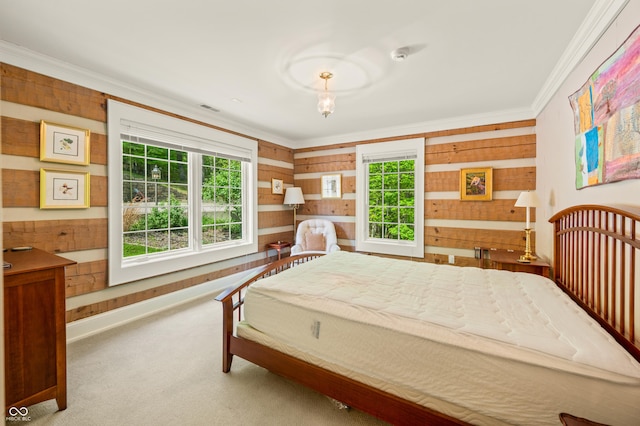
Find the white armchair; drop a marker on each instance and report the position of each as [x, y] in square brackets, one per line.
[315, 235]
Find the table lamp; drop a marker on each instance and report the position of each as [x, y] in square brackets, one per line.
[527, 199]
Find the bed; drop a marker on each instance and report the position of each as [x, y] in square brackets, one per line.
[419, 343]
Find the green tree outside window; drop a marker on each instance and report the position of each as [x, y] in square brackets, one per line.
[391, 200]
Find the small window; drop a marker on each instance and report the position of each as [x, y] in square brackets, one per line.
[390, 198]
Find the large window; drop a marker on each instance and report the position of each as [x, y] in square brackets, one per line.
[390, 188]
[186, 197]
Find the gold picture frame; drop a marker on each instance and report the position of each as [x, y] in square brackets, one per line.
[64, 189]
[64, 144]
[331, 186]
[277, 186]
[476, 184]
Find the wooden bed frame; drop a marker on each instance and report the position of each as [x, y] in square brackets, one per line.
[597, 262]
[604, 286]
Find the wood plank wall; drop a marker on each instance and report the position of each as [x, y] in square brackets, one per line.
[452, 226]
[81, 235]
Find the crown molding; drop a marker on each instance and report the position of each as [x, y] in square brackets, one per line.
[24, 58]
[596, 23]
[424, 127]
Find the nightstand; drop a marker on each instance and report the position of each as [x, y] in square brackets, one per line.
[279, 246]
[508, 260]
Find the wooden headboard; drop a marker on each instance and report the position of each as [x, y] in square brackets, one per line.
[597, 262]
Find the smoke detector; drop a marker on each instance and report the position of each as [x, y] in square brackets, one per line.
[400, 54]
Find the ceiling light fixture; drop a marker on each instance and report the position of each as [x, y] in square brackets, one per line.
[326, 100]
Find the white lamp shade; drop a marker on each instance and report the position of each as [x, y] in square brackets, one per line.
[527, 199]
[293, 196]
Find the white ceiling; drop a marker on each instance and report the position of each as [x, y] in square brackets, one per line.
[257, 62]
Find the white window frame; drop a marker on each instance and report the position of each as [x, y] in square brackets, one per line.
[195, 137]
[384, 150]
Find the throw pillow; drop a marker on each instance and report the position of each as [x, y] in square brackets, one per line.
[314, 242]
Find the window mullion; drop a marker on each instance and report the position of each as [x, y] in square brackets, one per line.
[195, 200]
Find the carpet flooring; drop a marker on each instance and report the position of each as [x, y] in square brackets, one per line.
[165, 369]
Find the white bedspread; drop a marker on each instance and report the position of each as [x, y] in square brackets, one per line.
[495, 320]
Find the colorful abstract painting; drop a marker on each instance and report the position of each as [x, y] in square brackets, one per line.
[607, 119]
[589, 152]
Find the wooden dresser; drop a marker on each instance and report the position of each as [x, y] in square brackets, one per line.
[34, 320]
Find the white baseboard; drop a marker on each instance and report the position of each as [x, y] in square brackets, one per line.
[86, 327]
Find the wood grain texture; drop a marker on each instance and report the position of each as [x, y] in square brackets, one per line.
[495, 210]
[273, 219]
[86, 277]
[29, 88]
[265, 197]
[275, 152]
[468, 238]
[20, 188]
[507, 179]
[20, 137]
[328, 207]
[345, 230]
[99, 191]
[326, 163]
[427, 135]
[98, 149]
[267, 171]
[482, 150]
[57, 236]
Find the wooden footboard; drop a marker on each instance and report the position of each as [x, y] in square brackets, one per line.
[597, 262]
[233, 299]
[383, 405]
[368, 399]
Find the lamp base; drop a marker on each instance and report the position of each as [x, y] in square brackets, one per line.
[527, 257]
